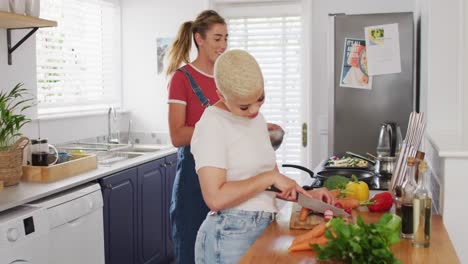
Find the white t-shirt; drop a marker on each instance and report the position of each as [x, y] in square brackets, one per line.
[239, 145]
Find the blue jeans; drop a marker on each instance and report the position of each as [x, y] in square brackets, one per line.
[226, 235]
[188, 209]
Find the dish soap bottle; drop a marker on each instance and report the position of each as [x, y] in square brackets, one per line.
[422, 210]
[407, 200]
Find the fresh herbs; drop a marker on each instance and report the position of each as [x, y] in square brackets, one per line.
[12, 104]
[360, 242]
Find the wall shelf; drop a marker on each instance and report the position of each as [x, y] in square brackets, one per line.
[11, 21]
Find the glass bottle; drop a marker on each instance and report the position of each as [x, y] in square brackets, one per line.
[407, 200]
[397, 194]
[422, 210]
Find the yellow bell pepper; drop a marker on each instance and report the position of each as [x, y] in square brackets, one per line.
[358, 190]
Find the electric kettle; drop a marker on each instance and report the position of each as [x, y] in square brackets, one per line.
[389, 142]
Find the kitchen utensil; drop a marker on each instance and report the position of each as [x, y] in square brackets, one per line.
[362, 175]
[40, 150]
[314, 204]
[360, 157]
[346, 161]
[389, 141]
[276, 137]
[311, 173]
[310, 222]
[385, 165]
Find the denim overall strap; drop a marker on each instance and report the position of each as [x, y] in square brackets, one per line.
[196, 89]
[188, 209]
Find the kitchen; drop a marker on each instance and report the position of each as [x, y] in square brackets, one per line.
[143, 91]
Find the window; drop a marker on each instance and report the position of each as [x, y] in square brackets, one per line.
[275, 41]
[78, 62]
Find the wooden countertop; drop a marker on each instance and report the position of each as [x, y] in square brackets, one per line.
[272, 245]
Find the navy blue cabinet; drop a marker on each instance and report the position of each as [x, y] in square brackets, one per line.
[120, 209]
[136, 213]
[150, 242]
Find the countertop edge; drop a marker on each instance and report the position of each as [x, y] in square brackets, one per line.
[26, 192]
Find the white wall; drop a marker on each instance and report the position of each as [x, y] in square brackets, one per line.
[320, 63]
[143, 21]
[444, 33]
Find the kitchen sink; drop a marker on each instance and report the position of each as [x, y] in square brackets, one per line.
[147, 147]
[87, 146]
[109, 153]
[109, 158]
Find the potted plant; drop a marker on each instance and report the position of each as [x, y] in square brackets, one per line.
[12, 105]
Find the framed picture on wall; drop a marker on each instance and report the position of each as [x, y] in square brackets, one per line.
[162, 47]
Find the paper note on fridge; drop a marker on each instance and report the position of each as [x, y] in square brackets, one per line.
[383, 49]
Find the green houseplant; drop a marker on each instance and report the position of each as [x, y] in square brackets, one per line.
[12, 119]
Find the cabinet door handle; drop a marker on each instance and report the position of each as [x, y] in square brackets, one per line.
[109, 186]
[163, 165]
[169, 163]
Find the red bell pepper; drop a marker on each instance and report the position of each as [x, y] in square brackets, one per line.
[381, 202]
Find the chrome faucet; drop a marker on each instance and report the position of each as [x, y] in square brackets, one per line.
[129, 133]
[110, 139]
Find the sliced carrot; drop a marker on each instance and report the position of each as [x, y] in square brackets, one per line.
[349, 203]
[303, 214]
[306, 244]
[317, 231]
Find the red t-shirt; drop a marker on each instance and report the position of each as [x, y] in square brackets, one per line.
[180, 92]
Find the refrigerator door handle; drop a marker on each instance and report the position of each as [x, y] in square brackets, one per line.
[304, 135]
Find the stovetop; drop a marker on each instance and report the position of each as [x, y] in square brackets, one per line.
[378, 183]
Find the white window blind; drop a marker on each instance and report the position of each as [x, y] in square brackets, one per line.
[275, 42]
[78, 62]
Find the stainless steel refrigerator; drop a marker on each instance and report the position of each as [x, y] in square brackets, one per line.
[356, 114]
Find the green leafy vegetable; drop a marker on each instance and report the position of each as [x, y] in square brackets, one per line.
[336, 182]
[360, 242]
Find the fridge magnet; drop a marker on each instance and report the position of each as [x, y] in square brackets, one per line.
[354, 73]
[383, 49]
[162, 47]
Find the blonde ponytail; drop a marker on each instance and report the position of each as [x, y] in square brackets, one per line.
[179, 52]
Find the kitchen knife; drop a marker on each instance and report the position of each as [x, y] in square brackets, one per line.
[314, 204]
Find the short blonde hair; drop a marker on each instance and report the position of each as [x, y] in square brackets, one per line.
[238, 75]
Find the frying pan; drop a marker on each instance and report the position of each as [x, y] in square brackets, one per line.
[362, 175]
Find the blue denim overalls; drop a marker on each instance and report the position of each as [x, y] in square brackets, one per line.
[188, 209]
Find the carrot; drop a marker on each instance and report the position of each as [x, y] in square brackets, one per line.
[303, 214]
[306, 244]
[317, 231]
[350, 203]
[336, 193]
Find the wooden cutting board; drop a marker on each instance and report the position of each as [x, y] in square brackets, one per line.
[1, 186]
[311, 221]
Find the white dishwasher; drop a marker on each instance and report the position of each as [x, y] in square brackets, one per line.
[76, 225]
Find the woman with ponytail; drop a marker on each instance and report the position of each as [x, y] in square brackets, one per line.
[192, 88]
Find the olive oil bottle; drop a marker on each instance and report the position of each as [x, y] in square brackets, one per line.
[407, 200]
[422, 210]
